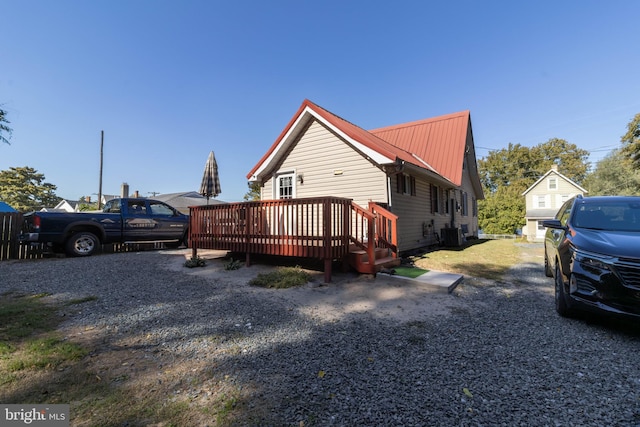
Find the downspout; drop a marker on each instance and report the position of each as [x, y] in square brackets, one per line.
[389, 191]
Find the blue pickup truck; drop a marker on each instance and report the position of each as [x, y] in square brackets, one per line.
[124, 220]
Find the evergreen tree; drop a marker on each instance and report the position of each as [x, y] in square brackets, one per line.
[3, 127]
[25, 189]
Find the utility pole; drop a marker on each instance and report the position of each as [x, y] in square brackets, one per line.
[101, 157]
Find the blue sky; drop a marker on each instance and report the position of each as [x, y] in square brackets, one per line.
[169, 81]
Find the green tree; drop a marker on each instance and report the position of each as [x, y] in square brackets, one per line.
[4, 128]
[505, 167]
[631, 141]
[505, 174]
[572, 161]
[502, 212]
[85, 204]
[254, 192]
[25, 189]
[614, 175]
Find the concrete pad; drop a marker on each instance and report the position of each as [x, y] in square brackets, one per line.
[437, 280]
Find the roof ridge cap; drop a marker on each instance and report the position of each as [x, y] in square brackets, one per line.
[423, 121]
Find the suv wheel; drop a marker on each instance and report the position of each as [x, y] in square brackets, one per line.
[561, 299]
[547, 267]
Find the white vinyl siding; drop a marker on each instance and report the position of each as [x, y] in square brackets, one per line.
[414, 212]
[541, 197]
[330, 167]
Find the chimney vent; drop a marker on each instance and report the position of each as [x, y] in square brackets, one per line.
[124, 190]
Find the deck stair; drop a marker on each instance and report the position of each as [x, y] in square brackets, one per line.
[359, 260]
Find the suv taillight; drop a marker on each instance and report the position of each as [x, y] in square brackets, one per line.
[36, 223]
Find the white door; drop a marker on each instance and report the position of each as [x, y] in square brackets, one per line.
[285, 189]
[540, 230]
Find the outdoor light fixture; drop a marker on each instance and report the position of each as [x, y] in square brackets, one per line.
[301, 178]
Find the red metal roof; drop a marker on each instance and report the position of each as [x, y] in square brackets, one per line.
[438, 143]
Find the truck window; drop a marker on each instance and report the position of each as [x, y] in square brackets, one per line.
[160, 209]
[136, 208]
[112, 206]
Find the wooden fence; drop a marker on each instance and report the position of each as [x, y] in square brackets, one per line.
[10, 248]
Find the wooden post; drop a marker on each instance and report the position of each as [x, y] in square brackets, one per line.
[194, 248]
[326, 214]
[101, 157]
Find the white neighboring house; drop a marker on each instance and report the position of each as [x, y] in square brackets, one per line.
[64, 206]
[544, 198]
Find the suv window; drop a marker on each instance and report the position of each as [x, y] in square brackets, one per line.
[564, 212]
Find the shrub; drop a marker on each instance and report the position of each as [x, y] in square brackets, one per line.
[233, 264]
[194, 262]
[282, 278]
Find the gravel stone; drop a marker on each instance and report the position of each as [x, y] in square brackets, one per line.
[506, 359]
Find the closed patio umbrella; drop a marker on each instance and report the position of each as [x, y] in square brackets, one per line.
[210, 186]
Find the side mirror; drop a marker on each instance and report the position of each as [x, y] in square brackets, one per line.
[553, 223]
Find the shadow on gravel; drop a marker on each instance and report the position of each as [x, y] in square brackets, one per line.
[613, 325]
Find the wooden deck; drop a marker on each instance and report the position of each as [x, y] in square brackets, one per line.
[326, 228]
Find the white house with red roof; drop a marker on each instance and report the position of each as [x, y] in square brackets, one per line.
[425, 172]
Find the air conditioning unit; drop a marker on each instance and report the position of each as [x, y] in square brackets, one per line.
[452, 237]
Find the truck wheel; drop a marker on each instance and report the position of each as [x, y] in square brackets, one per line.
[82, 243]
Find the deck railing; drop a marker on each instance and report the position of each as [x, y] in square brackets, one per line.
[320, 227]
[385, 228]
[309, 227]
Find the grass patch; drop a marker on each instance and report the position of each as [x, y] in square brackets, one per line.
[282, 278]
[38, 366]
[411, 272]
[488, 259]
[21, 316]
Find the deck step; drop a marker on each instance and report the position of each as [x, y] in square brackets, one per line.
[363, 256]
[364, 266]
[388, 261]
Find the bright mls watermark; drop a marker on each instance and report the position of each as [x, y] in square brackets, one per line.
[35, 415]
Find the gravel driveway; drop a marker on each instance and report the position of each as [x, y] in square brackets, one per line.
[490, 354]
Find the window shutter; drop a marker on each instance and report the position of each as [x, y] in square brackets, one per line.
[413, 185]
[400, 180]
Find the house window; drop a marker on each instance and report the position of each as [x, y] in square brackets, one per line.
[540, 226]
[465, 204]
[406, 184]
[447, 196]
[474, 206]
[541, 202]
[553, 183]
[434, 198]
[284, 186]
